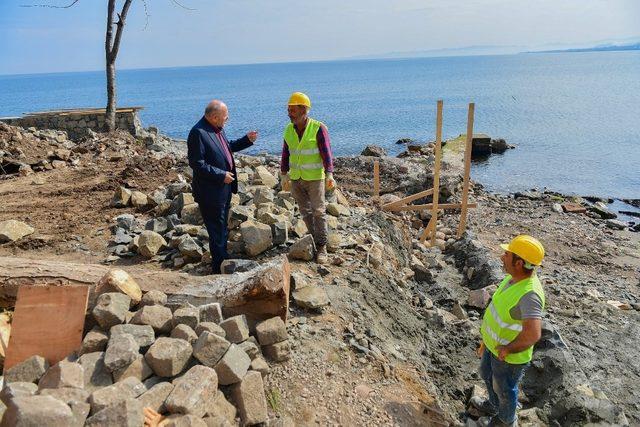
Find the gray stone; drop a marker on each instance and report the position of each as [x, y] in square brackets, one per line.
[263, 195]
[129, 388]
[250, 399]
[251, 348]
[615, 224]
[189, 316]
[278, 352]
[311, 297]
[280, 232]
[63, 374]
[110, 309]
[271, 331]
[95, 340]
[230, 266]
[149, 243]
[159, 225]
[29, 370]
[180, 201]
[209, 348]
[17, 389]
[299, 228]
[168, 356]
[190, 249]
[260, 365]
[153, 297]
[303, 249]
[337, 210]
[194, 392]
[211, 313]
[184, 332]
[212, 327]
[374, 151]
[264, 177]
[221, 407]
[139, 199]
[67, 395]
[117, 280]
[236, 328]
[126, 222]
[124, 413]
[142, 334]
[233, 365]
[121, 198]
[37, 411]
[122, 350]
[80, 412]
[138, 369]
[96, 374]
[154, 398]
[238, 215]
[157, 316]
[178, 420]
[191, 214]
[256, 236]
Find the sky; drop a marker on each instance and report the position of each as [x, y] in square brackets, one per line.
[41, 40]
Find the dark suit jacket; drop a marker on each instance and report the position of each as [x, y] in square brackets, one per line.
[209, 164]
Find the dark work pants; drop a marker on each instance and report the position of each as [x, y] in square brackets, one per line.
[215, 219]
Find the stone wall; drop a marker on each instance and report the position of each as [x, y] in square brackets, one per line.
[77, 122]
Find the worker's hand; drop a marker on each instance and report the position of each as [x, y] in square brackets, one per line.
[329, 182]
[503, 352]
[229, 178]
[252, 135]
[480, 350]
[152, 418]
[285, 182]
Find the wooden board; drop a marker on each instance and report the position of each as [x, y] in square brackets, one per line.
[376, 179]
[429, 206]
[436, 174]
[405, 200]
[48, 321]
[467, 171]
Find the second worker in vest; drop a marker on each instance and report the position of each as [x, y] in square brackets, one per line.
[307, 167]
[511, 325]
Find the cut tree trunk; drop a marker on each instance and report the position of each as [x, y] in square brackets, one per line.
[260, 293]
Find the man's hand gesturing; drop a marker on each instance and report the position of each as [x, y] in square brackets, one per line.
[253, 136]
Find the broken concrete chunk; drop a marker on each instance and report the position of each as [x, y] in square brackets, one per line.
[236, 328]
[111, 309]
[122, 350]
[194, 392]
[142, 334]
[156, 316]
[120, 281]
[167, 357]
[154, 297]
[189, 316]
[125, 413]
[209, 348]
[271, 331]
[250, 399]
[233, 365]
[37, 411]
[184, 332]
[154, 398]
[30, 370]
[211, 313]
[96, 374]
[63, 374]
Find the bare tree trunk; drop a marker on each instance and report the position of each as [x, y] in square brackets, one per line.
[111, 47]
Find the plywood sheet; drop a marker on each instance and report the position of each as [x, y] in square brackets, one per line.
[48, 321]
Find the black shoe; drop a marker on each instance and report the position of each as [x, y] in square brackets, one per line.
[483, 405]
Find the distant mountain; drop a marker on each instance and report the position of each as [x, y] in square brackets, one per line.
[601, 48]
[455, 51]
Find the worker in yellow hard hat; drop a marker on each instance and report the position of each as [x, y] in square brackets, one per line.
[307, 168]
[511, 325]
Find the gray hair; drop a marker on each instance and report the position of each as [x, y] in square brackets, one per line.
[213, 107]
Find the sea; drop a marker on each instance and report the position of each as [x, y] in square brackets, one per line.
[573, 117]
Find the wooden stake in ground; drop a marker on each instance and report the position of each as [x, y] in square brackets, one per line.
[433, 222]
[467, 170]
[48, 322]
[376, 180]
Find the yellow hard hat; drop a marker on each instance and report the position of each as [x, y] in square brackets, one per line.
[527, 248]
[299, 98]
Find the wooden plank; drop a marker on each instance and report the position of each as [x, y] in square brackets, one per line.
[436, 173]
[429, 206]
[48, 321]
[429, 230]
[376, 179]
[467, 170]
[408, 199]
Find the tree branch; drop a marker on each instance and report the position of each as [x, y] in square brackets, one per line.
[50, 5]
[177, 3]
[120, 24]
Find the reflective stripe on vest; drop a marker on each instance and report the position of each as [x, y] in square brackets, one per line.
[498, 327]
[305, 161]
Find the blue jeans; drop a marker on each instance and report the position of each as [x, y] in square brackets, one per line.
[501, 379]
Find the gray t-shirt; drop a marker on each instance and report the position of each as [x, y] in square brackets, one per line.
[529, 306]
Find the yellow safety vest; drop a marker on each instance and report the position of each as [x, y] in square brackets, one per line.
[305, 161]
[498, 327]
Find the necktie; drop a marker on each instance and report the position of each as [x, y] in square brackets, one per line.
[225, 147]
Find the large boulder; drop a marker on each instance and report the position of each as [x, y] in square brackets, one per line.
[149, 243]
[120, 281]
[256, 236]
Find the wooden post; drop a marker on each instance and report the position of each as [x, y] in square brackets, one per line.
[467, 170]
[376, 180]
[436, 176]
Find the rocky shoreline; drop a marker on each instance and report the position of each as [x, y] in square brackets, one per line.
[390, 326]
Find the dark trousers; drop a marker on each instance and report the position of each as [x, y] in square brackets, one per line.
[215, 219]
[501, 379]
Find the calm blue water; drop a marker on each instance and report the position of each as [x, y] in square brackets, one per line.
[573, 116]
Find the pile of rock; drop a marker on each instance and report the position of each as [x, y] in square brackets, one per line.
[172, 232]
[187, 362]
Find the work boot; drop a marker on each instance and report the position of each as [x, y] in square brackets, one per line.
[495, 422]
[483, 405]
[321, 256]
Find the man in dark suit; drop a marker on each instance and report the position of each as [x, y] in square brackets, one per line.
[214, 174]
